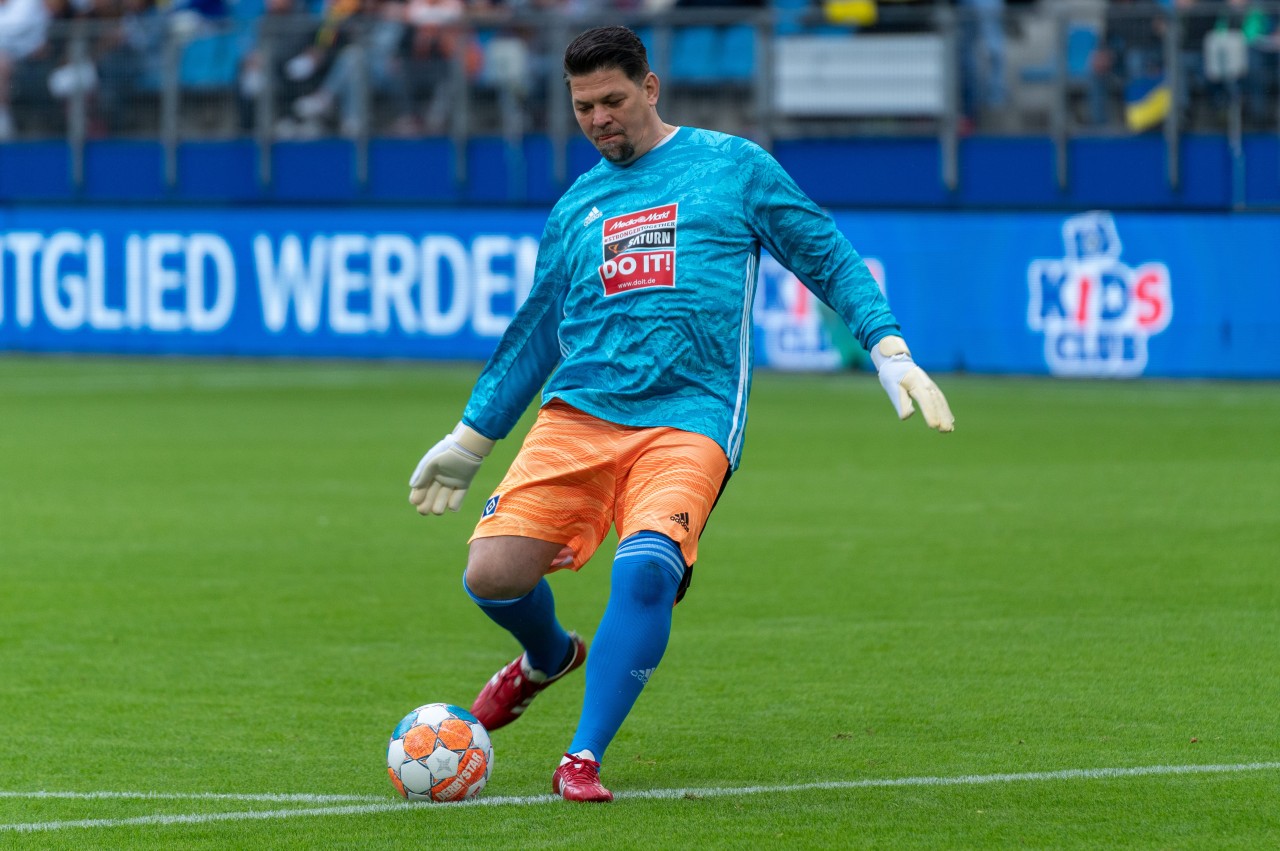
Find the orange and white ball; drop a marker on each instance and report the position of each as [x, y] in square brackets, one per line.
[439, 752]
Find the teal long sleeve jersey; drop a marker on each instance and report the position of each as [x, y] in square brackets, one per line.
[640, 310]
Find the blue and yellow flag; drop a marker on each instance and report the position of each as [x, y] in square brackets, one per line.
[1146, 103]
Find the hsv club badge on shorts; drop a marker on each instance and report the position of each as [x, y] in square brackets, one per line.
[639, 250]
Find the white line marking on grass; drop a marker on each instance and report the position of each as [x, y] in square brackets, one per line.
[274, 797]
[530, 800]
[961, 780]
[204, 818]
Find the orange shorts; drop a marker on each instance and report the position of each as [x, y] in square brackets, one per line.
[576, 475]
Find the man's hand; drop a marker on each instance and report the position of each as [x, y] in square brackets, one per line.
[445, 472]
[904, 381]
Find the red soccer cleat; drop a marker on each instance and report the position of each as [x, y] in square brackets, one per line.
[579, 780]
[510, 691]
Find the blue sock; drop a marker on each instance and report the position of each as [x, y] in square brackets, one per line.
[632, 636]
[532, 620]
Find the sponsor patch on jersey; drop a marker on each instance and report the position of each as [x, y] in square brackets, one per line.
[639, 250]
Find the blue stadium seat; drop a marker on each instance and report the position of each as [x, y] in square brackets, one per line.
[738, 53]
[1082, 40]
[645, 34]
[210, 61]
[247, 10]
[694, 55]
[789, 15]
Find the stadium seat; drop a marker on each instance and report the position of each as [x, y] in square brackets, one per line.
[210, 61]
[248, 10]
[737, 51]
[1082, 40]
[705, 55]
[794, 17]
[645, 34]
[694, 54]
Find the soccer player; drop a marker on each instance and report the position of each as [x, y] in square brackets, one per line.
[638, 331]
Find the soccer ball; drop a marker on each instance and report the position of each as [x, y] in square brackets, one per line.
[439, 752]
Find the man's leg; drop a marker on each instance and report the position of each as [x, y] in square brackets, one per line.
[505, 576]
[670, 490]
[629, 645]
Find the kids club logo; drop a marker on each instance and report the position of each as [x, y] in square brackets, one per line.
[1095, 311]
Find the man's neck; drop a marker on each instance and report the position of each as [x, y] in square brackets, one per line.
[661, 136]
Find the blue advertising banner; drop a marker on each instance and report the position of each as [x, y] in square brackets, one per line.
[1088, 294]
[263, 282]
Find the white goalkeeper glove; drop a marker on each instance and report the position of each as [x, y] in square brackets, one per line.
[445, 472]
[904, 381]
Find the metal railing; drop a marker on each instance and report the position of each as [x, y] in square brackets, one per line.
[915, 71]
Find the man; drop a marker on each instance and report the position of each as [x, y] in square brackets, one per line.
[23, 27]
[639, 323]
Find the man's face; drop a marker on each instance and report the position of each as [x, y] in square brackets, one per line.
[616, 114]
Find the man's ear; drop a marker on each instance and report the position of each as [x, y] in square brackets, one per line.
[652, 88]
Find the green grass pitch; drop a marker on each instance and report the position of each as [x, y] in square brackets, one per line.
[212, 588]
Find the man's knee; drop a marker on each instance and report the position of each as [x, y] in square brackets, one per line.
[648, 569]
[645, 583]
[507, 567]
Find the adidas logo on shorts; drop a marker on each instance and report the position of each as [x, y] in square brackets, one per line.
[682, 518]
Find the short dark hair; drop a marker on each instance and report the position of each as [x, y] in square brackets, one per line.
[603, 48]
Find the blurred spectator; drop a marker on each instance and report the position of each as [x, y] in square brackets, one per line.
[518, 60]
[129, 58]
[1195, 20]
[1130, 53]
[384, 30]
[125, 60]
[435, 44]
[1253, 22]
[70, 73]
[23, 27]
[281, 33]
[327, 40]
[189, 18]
[982, 54]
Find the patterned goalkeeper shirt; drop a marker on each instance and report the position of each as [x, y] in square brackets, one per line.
[640, 311]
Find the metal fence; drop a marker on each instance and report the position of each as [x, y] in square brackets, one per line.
[1066, 70]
